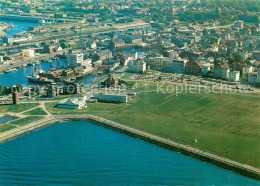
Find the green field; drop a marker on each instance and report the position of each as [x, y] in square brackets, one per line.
[224, 124]
[37, 111]
[17, 108]
[6, 127]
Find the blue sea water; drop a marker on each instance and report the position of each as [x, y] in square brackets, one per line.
[81, 153]
[18, 26]
[5, 119]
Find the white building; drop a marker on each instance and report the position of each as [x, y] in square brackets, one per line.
[111, 98]
[73, 103]
[234, 76]
[136, 66]
[1, 59]
[29, 53]
[75, 59]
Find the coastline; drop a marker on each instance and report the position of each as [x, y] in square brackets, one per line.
[242, 169]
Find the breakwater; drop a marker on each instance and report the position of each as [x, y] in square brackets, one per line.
[165, 143]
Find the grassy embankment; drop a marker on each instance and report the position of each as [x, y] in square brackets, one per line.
[16, 109]
[224, 124]
[37, 111]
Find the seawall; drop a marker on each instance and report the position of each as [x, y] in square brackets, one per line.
[243, 169]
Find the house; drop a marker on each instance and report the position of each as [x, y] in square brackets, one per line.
[221, 71]
[193, 68]
[234, 76]
[136, 66]
[73, 103]
[116, 43]
[133, 39]
[205, 68]
[102, 55]
[91, 44]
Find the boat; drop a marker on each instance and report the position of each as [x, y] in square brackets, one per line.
[37, 79]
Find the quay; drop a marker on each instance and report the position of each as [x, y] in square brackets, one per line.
[162, 142]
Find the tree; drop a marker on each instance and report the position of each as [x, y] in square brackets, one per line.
[205, 32]
[238, 58]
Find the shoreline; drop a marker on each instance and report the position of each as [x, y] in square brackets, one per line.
[227, 164]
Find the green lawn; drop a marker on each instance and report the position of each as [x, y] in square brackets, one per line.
[26, 120]
[37, 111]
[17, 108]
[224, 124]
[6, 127]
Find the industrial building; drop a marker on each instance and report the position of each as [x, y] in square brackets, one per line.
[111, 98]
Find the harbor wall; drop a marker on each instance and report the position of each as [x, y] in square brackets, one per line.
[188, 151]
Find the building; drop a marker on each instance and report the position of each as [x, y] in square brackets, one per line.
[205, 69]
[111, 98]
[193, 68]
[221, 71]
[29, 53]
[116, 43]
[157, 63]
[133, 39]
[91, 44]
[102, 55]
[252, 77]
[1, 59]
[75, 59]
[111, 81]
[73, 103]
[234, 76]
[47, 49]
[179, 65]
[136, 66]
[247, 70]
